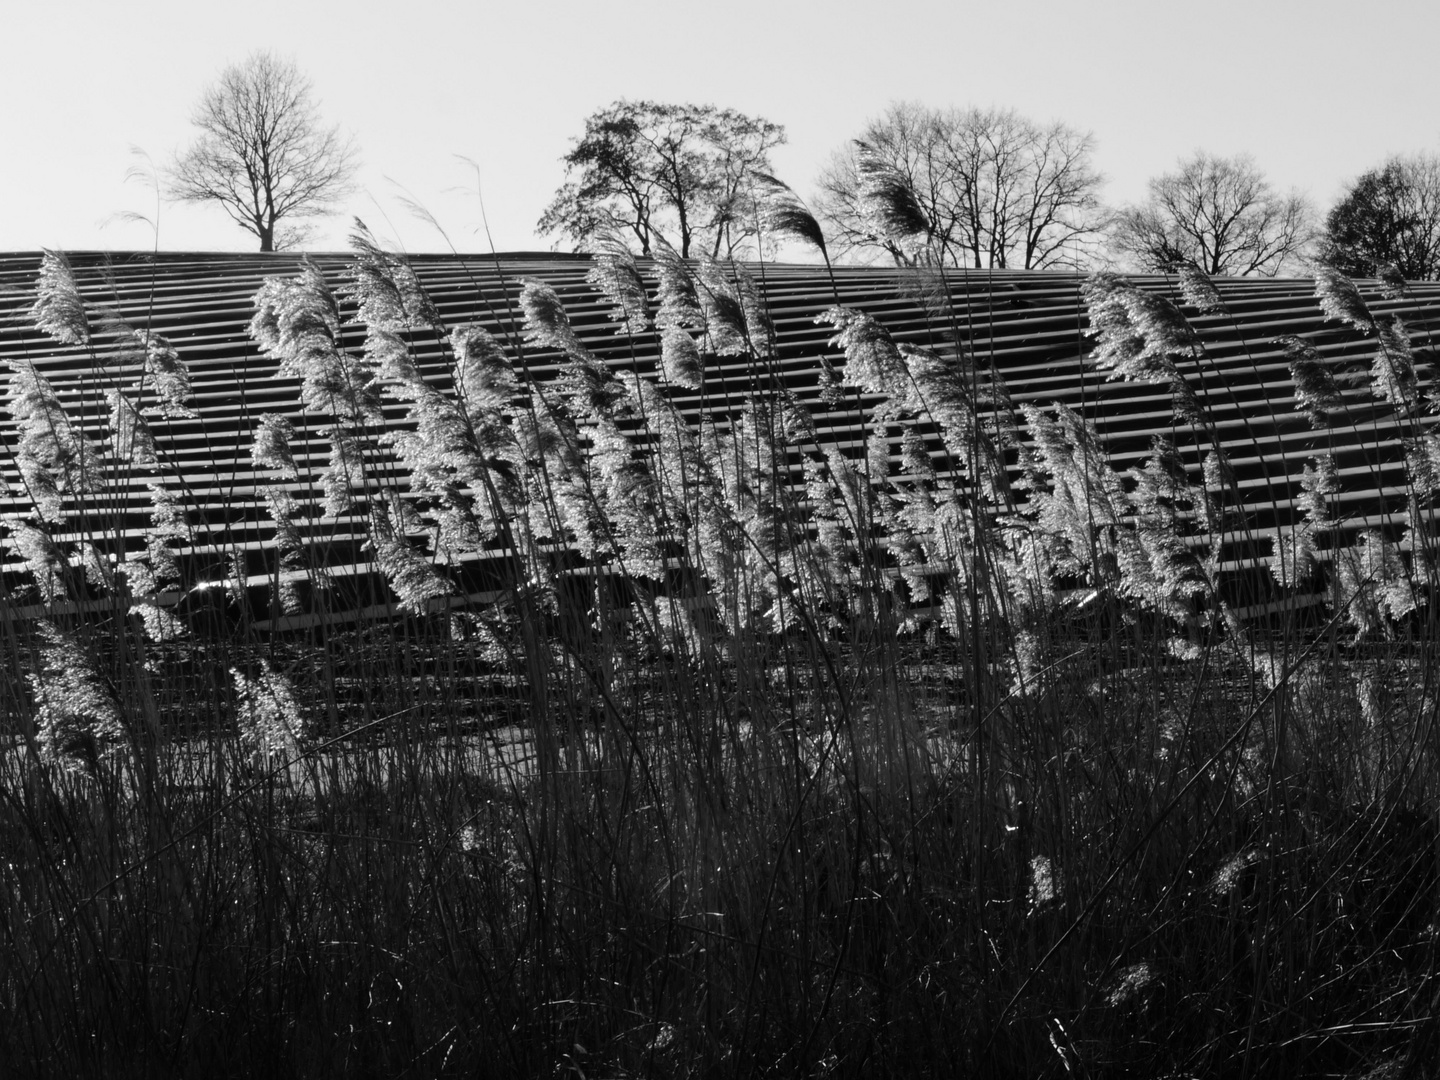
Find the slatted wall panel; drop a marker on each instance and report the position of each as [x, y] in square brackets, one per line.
[1028, 327]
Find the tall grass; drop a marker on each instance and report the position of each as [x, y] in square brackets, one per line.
[660, 735]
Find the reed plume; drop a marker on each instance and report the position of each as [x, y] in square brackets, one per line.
[77, 716]
[784, 213]
[271, 446]
[54, 455]
[1137, 333]
[59, 309]
[726, 327]
[873, 364]
[1199, 291]
[1315, 388]
[485, 378]
[1341, 300]
[614, 273]
[43, 559]
[268, 713]
[168, 377]
[1392, 372]
[889, 199]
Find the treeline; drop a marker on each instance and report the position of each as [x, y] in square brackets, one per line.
[986, 188]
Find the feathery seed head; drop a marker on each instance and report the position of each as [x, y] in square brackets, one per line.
[791, 218]
[725, 315]
[389, 354]
[268, 712]
[946, 390]
[680, 358]
[796, 422]
[162, 562]
[271, 448]
[139, 577]
[873, 363]
[591, 390]
[412, 577]
[1186, 403]
[1293, 560]
[167, 522]
[54, 455]
[59, 309]
[168, 377]
[1134, 981]
[297, 320]
[914, 457]
[441, 454]
[546, 322]
[1422, 464]
[485, 378]
[759, 330]
[1042, 883]
[615, 274]
[1341, 300]
[1199, 291]
[677, 294]
[264, 326]
[1392, 372]
[1119, 343]
[386, 291]
[130, 438]
[1137, 333]
[1315, 387]
[1217, 470]
[372, 286]
[283, 510]
[293, 315]
[345, 472]
[831, 392]
[784, 213]
[1392, 285]
[160, 624]
[547, 438]
[1373, 586]
[76, 712]
[166, 514]
[41, 557]
[1318, 480]
[1226, 878]
[889, 197]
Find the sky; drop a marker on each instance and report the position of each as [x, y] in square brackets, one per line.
[1316, 92]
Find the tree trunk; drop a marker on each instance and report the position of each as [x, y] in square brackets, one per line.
[267, 238]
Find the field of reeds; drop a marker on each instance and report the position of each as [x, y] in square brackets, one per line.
[640, 740]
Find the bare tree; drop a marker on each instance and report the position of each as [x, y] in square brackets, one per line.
[647, 168]
[995, 189]
[263, 154]
[1220, 214]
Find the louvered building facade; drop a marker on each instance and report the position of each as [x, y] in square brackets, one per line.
[1032, 330]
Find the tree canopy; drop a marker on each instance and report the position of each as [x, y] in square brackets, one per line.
[993, 188]
[263, 154]
[682, 173]
[1218, 213]
[1390, 216]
